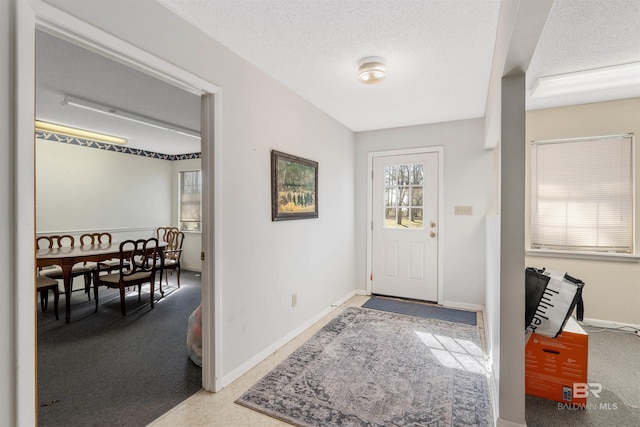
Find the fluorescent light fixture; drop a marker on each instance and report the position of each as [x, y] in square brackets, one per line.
[589, 80]
[372, 70]
[78, 133]
[127, 115]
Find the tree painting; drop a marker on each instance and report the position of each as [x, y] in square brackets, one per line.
[294, 187]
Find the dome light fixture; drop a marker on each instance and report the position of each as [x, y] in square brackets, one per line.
[372, 70]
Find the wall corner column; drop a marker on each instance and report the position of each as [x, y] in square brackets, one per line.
[512, 257]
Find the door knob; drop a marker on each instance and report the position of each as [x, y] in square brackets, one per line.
[432, 234]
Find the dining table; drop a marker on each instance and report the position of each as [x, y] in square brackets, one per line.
[67, 257]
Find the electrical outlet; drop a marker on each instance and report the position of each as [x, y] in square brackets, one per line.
[294, 300]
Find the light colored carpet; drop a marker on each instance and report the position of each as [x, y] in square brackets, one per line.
[374, 368]
[615, 365]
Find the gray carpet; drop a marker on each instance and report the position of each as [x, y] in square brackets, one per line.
[103, 369]
[420, 309]
[374, 368]
[614, 362]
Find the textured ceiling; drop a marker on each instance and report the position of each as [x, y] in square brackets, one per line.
[438, 53]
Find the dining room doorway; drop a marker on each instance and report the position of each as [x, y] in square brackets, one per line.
[70, 29]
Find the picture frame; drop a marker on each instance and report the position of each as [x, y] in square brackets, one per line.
[294, 187]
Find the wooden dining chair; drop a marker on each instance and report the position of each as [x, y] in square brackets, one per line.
[45, 284]
[172, 254]
[162, 233]
[100, 239]
[95, 238]
[55, 271]
[143, 256]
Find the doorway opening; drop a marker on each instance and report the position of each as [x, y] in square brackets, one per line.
[70, 29]
[84, 186]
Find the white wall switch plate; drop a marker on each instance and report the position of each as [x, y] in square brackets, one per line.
[463, 210]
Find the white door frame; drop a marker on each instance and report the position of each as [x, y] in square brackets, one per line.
[441, 234]
[34, 15]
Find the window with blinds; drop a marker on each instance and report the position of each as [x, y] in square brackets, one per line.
[190, 209]
[582, 194]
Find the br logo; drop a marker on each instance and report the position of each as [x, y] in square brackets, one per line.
[581, 390]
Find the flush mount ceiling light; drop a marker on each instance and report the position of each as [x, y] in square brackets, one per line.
[127, 115]
[589, 80]
[372, 70]
[78, 133]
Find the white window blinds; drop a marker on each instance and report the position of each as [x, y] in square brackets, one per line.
[582, 194]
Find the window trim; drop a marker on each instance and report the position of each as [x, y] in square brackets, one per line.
[598, 256]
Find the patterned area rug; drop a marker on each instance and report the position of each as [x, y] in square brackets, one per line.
[374, 368]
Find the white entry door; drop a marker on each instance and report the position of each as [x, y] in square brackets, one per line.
[405, 226]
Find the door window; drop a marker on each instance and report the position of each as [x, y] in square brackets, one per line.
[404, 204]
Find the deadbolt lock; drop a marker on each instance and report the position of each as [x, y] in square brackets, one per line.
[433, 224]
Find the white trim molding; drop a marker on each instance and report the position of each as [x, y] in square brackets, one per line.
[599, 256]
[441, 226]
[598, 323]
[255, 360]
[463, 306]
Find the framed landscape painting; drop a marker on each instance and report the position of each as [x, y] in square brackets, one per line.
[294, 187]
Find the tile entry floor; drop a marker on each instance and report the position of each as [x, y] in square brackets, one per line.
[220, 409]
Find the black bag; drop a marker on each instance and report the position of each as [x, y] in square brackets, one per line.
[550, 298]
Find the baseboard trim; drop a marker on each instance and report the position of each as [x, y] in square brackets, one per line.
[598, 323]
[506, 423]
[463, 305]
[360, 292]
[344, 299]
[249, 364]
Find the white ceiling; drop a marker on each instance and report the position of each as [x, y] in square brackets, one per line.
[438, 55]
[64, 68]
[438, 52]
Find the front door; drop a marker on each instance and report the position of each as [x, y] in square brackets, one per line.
[405, 226]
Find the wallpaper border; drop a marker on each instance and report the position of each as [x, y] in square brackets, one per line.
[82, 142]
